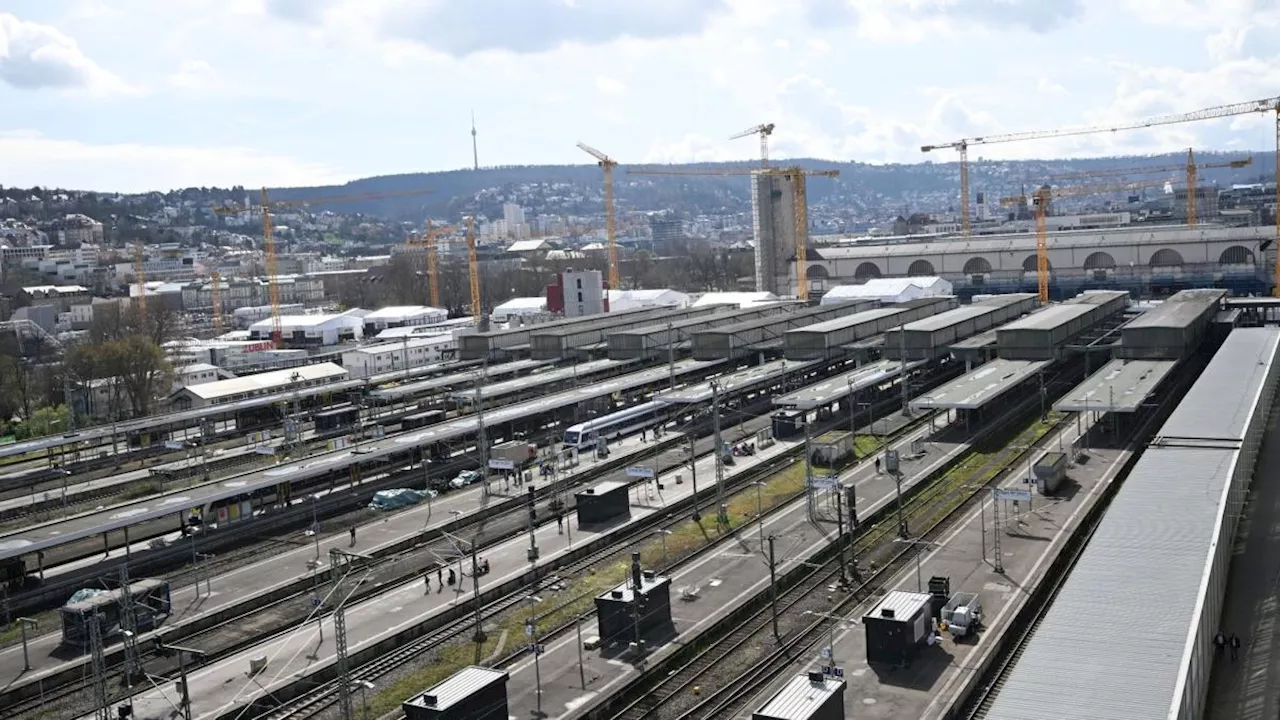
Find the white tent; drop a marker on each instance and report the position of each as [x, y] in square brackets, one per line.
[889, 290]
[741, 299]
[632, 299]
[518, 306]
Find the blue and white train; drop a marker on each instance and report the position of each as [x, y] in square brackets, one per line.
[585, 436]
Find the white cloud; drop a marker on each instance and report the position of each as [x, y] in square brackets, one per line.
[33, 159]
[609, 85]
[195, 75]
[34, 56]
[382, 86]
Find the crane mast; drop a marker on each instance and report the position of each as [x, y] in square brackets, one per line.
[473, 271]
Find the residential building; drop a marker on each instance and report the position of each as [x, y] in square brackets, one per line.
[392, 356]
[61, 297]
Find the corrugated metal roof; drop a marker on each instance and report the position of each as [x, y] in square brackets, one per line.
[800, 698]
[1112, 644]
[1050, 317]
[966, 312]
[904, 604]
[979, 387]
[1215, 405]
[462, 685]
[1120, 386]
[1178, 311]
[275, 380]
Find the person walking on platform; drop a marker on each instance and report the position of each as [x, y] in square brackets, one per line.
[877, 466]
[353, 536]
[1234, 642]
[560, 523]
[440, 578]
[1219, 643]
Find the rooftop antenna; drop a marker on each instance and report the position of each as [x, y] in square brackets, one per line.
[475, 154]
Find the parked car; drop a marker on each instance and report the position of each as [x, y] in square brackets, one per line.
[465, 478]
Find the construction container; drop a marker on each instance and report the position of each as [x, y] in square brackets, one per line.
[472, 693]
[812, 696]
[653, 340]
[640, 605]
[1049, 470]
[740, 339]
[602, 504]
[897, 626]
[1041, 335]
[930, 337]
[832, 450]
[832, 337]
[556, 343]
[337, 419]
[1173, 329]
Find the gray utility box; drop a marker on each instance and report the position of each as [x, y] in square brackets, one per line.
[472, 693]
[602, 504]
[623, 611]
[1050, 469]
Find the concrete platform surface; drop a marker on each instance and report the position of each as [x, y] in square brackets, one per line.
[940, 676]
[1248, 688]
[223, 686]
[736, 571]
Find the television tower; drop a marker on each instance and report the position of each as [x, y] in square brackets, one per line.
[475, 155]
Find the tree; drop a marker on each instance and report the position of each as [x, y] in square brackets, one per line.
[143, 370]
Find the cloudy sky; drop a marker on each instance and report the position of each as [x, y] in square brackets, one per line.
[154, 94]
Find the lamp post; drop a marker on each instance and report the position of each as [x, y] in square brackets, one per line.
[831, 633]
[663, 534]
[917, 544]
[531, 629]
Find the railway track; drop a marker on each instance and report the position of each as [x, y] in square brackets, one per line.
[300, 601]
[325, 695]
[673, 688]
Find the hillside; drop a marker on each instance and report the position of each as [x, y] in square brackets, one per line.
[864, 188]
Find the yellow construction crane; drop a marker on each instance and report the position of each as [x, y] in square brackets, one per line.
[428, 239]
[1268, 105]
[1190, 168]
[473, 270]
[607, 164]
[799, 200]
[764, 130]
[269, 240]
[216, 289]
[1040, 199]
[140, 274]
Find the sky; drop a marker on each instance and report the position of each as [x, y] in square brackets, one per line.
[136, 95]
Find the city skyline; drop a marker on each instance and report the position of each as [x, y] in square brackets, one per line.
[138, 95]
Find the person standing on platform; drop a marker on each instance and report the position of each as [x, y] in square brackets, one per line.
[1234, 642]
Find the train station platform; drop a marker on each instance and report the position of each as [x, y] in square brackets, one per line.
[722, 579]
[187, 418]
[87, 525]
[1120, 386]
[235, 587]
[222, 686]
[743, 381]
[832, 390]
[1248, 687]
[984, 384]
[941, 677]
